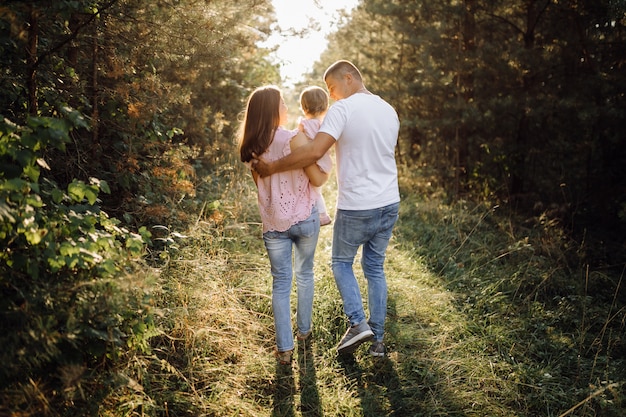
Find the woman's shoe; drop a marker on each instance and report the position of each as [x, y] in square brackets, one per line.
[284, 357]
[303, 336]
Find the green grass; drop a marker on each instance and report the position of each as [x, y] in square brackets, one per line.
[487, 317]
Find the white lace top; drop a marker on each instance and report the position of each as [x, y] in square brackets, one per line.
[285, 198]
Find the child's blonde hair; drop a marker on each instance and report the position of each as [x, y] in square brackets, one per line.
[314, 101]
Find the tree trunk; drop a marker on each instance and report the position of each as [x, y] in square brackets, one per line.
[465, 93]
[95, 115]
[31, 59]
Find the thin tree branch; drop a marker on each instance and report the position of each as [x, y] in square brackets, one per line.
[74, 34]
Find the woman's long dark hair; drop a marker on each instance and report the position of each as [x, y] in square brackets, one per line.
[261, 119]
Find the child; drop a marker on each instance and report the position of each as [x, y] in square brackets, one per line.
[314, 104]
[288, 206]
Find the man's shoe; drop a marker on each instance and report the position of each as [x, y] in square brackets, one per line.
[355, 335]
[377, 349]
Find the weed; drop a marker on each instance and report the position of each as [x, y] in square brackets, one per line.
[487, 316]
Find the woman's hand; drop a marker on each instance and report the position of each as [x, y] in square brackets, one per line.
[260, 166]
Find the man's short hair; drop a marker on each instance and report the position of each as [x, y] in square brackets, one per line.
[341, 68]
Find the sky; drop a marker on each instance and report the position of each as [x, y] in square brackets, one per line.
[297, 55]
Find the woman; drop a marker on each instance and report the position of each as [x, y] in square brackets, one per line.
[287, 203]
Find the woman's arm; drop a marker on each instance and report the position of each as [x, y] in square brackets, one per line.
[317, 177]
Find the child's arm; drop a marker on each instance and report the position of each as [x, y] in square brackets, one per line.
[324, 163]
[317, 177]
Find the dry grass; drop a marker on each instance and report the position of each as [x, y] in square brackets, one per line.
[463, 336]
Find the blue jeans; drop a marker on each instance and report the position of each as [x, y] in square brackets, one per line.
[372, 230]
[302, 239]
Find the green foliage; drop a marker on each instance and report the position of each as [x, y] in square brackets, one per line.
[65, 304]
[484, 319]
[549, 327]
[160, 105]
[516, 104]
[160, 84]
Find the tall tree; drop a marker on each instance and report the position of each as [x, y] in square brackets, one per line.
[517, 100]
[133, 92]
[149, 74]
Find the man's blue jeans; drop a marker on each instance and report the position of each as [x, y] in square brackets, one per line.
[302, 239]
[372, 230]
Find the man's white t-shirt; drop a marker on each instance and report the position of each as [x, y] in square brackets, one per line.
[365, 128]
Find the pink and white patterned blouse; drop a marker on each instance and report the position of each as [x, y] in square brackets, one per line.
[285, 198]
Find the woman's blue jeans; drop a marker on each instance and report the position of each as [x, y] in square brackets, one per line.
[372, 230]
[301, 238]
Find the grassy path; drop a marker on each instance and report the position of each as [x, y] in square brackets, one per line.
[223, 317]
[233, 305]
[464, 336]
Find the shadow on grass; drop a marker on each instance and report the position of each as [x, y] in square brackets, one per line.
[378, 385]
[284, 392]
[285, 386]
[404, 382]
[310, 404]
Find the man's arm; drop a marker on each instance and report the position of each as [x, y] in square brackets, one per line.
[300, 157]
[317, 177]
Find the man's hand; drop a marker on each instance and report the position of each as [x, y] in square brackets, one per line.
[260, 166]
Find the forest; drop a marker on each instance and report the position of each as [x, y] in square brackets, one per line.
[117, 125]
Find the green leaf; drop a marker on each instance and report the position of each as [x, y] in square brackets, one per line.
[145, 234]
[57, 195]
[76, 117]
[91, 196]
[56, 263]
[25, 157]
[76, 190]
[33, 200]
[104, 186]
[135, 244]
[6, 213]
[33, 236]
[108, 267]
[68, 249]
[32, 172]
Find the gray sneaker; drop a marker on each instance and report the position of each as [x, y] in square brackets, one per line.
[354, 336]
[377, 349]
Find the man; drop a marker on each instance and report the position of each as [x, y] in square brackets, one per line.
[365, 130]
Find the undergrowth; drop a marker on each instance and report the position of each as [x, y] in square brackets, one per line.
[545, 332]
[488, 316]
[74, 293]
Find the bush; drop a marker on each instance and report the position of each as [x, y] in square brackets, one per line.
[68, 310]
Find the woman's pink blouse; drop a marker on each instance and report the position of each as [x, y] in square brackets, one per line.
[285, 198]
